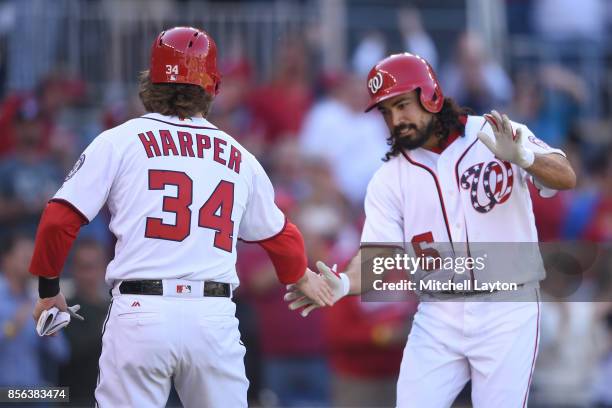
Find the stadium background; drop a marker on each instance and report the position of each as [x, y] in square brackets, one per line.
[293, 92]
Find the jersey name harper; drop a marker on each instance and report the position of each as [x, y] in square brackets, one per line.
[180, 193]
[161, 142]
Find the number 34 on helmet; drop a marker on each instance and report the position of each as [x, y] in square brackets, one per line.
[185, 55]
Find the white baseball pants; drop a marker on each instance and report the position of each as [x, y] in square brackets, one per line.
[149, 341]
[492, 343]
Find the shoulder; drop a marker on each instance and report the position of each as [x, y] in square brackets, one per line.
[387, 175]
[475, 124]
[478, 123]
[119, 133]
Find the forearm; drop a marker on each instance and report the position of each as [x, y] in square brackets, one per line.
[57, 230]
[287, 252]
[353, 271]
[553, 171]
[360, 269]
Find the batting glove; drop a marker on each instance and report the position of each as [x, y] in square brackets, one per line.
[53, 320]
[339, 283]
[506, 146]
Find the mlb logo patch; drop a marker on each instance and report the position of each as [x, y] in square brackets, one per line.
[183, 288]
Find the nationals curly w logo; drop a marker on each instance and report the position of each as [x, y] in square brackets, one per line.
[375, 83]
[496, 180]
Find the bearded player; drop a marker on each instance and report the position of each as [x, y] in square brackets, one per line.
[454, 178]
[180, 192]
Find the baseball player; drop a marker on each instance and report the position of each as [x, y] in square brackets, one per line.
[180, 192]
[457, 179]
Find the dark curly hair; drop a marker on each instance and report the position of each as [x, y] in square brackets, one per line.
[445, 122]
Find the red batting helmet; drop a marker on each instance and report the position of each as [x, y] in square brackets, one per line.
[401, 73]
[185, 55]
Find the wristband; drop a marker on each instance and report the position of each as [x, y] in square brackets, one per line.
[346, 283]
[526, 159]
[48, 287]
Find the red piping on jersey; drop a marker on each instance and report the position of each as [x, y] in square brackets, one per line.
[459, 189]
[535, 351]
[467, 239]
[459, 161]
[444, 144]
[450, 139]
[72, 206]
[381, 245]
[439, 194]
[259, 241]
[180, 124]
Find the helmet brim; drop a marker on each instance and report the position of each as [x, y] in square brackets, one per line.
[390, 95]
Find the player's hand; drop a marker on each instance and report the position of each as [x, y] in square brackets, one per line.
[315, 288]
[338, 282]
[506, 146]
[58, 301]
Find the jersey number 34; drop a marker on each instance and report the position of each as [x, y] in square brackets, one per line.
[215, 213]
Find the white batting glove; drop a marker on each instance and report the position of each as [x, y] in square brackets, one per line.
[339, 283]
[506, 145]
[53, 320]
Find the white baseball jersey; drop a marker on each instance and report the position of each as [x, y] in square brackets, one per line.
[466, 198]
[462, 195]
[180, 193]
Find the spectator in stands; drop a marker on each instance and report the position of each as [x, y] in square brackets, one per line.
[371, 49]
[351, 142]
[546, 99]
[474, 78]
[561, 20]
[20, 346]
[571, 343]
[231, 110]
[588, 214]
[601, 390]
[366, 341]
[49, 100]
[28, 178]
[295, 364]
[416, 39]
[292, 350]
[280, 105]
[575, 37]
[120, 111]
[85, 337]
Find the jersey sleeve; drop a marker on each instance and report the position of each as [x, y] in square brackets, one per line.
[531, 142]
[384, 221]
[88, 184]
[262, 219]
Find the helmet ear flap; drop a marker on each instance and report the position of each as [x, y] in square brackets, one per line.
[433, 104]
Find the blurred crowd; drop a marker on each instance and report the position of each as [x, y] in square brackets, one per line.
[307, 127]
